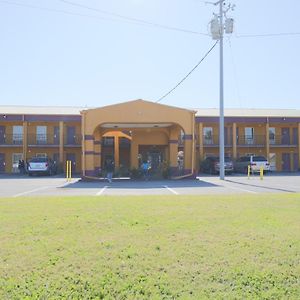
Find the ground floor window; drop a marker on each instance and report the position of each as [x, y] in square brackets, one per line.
[16, 157]
[272, 161]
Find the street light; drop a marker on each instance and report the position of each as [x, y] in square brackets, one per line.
[217, 27]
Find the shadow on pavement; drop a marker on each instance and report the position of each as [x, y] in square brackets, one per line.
[130, 184]
[260, 186]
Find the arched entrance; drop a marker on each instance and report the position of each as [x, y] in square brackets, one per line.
[135, 131]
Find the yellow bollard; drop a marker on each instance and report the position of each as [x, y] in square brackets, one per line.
[249, 170]
[67, 170]
[261, 173]
[70, 170]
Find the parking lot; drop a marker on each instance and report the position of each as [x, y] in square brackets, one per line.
[19, 186]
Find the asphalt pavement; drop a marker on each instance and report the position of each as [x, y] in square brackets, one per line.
[21, 186]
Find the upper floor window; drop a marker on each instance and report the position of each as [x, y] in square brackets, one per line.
[249, 135]
[272, 134]
[17, 134]
[208, 135]
[41, 134]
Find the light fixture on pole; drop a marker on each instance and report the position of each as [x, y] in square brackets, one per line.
[217, 27]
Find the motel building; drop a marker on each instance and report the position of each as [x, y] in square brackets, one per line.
[169, 137]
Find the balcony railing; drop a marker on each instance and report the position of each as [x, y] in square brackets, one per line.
[74, 140]
[43, 140]
[283, 140]
[214, 140]
[11, 139]
[255, 140]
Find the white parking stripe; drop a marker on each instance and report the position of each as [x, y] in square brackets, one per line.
[240, 189]
[31, 191]
[171, 190]
[102, 191]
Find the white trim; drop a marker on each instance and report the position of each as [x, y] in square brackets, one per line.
[102, 191]
[171, 190]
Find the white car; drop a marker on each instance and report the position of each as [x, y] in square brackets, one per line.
[41, 165]
[255, 163]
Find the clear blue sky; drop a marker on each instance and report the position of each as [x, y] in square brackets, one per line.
[53, 58]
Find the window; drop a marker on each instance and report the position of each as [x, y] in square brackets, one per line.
[249, 135]
[41, 135]
[272, 135]
[41, 155]
[15, 161]
[272, 160]
[17, 135]
[108, 141]
[208, 135]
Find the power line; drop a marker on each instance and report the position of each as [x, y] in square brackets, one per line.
[187, 75]
[54, 10]
[267, 34]
[131, 18]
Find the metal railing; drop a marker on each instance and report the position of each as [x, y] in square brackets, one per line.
[255, 140]
[214, 140]
[43, 139]
[73, 140]
[283, 140]
[11, 139]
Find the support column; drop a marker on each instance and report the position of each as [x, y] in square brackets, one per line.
[89, 155]
[188, 148]
[173, 150]
[117, 152]
[61, 142]
[134, 152]
[25, 140]
[97, 153]
[299, 145]
[234, 146]
[292, 161]
[201, 144]
[267, 141]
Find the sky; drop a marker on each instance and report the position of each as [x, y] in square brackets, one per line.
[55, 53]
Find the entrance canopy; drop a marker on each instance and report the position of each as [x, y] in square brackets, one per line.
[149, 123]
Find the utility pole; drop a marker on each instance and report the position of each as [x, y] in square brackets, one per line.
[217, 32]
[221, 122]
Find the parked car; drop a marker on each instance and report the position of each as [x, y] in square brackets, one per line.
[211, 165]
[41, 165]
[255, 163]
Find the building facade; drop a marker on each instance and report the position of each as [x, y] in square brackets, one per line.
[135, 131]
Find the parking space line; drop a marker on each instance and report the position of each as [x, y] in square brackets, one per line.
[240, 189]
[31, 191]
[171, 190]
[102, 191]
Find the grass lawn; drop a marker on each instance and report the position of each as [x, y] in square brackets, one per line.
[166, 247]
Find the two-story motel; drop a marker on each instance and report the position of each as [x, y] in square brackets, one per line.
[134, 131]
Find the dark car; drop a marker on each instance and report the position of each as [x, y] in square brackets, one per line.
[211, 165]
[42, 165]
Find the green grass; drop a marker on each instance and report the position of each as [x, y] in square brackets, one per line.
[172, 247]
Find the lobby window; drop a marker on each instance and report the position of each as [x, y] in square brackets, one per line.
[108, 141]
[208, 135]
[41, 134]
[272, 135]
[17, 135]
[249, 135]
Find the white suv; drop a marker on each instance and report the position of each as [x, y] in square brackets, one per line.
[255, 163]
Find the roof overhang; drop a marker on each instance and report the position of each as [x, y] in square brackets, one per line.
[135, 125]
